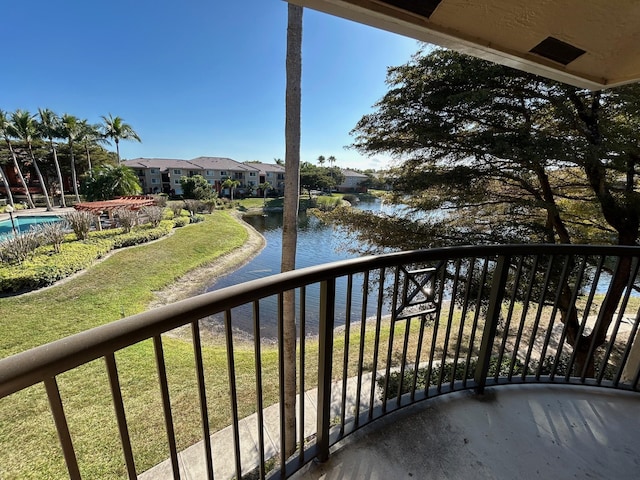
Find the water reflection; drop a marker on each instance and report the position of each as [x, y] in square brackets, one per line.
[318, 243]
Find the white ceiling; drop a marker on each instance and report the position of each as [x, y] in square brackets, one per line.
[506, 31]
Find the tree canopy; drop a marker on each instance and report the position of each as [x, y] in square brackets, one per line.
[313, 177]
[505, 156]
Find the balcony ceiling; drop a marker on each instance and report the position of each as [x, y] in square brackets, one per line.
[591, 44]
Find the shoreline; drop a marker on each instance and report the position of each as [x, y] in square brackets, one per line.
[194, 282]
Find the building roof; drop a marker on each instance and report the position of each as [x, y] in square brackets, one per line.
[352, 173]
[221, 163]
[590, 44]
[266, 167]
[160, 163]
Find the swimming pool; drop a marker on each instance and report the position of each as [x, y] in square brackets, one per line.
[24, 223]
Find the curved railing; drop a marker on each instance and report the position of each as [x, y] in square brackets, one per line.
[378, 333]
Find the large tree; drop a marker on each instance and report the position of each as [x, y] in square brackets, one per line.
[6, 129]
[491, 154]
[51, 127]
[25, 128]
[116, 130]
[290, 217]
[90, 136]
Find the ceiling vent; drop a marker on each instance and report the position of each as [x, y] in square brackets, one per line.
[420, 7]
[557, 50]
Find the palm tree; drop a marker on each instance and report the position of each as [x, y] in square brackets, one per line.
[111, 181]
[71, 131]
[50, 128]
[231, 185]
[5, 131]
[290, 217]
[7, 187]
[321, 160]
[90, 134]
[265, 187]
[116, 130]
[25, 128]
[332, 161]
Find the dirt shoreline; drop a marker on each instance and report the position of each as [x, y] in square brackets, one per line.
[195, 282]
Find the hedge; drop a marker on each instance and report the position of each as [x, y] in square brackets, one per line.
[45, 267]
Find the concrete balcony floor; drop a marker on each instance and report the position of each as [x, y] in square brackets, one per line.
[510, 432]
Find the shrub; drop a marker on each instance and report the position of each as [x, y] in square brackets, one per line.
[447, 373]
[210, 204]
[80, 222]
[194, 206]
[197, 219]
[142, 234]
[126, 218]
[16, 249]
[160, 200]
[52, 233]
[154, 214]
[176, 207]
[43, 269]
[180, 221]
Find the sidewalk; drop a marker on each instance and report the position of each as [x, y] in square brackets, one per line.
[192, 460]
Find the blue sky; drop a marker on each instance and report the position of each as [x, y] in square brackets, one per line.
[196, 77]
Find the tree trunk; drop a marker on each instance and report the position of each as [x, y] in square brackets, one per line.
[86, 147]
[290, 216]
[74, 176]
[7, 187]
[58, 172]
[40, 178]
[20, 176]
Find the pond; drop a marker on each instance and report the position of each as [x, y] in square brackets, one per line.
[318, 243]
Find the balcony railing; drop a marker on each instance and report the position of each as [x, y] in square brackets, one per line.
[393, 329]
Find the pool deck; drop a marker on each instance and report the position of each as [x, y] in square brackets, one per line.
[39, 211]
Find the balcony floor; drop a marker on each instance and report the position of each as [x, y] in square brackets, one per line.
[526, 431]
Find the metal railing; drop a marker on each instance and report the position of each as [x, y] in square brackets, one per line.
[375, 334]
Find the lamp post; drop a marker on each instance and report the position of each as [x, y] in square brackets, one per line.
[9, 210]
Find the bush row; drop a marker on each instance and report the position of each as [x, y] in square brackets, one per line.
[46, 267]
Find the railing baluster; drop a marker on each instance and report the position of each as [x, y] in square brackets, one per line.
[439, 288]
[476, 316]
[621, 309]
[118, 405]
[204, 411]
[572, 306]
[325, 359]
[416, 365]
[283, 449]
[507, 322]
[257, 349]
[463, 316]
[376, 344]
[499, 283]
[626, 356]
[303, 335]
[523, 316]
[363, 327]
[233, 394]
[392, 329]
[166, 406]
[447, 335]
[345, 361]
[536, 322]
[55, 402]
[585, 315]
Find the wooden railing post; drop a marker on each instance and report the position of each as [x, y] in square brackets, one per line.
[325, 359]
[498, 285]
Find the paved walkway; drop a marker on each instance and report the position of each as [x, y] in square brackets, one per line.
[192, 460]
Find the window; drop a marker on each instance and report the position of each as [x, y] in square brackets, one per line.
[252, 174]
[154, 170]
[176, 181]
[154, 180]
[281, 176]
[223, 173]
[269, 174]
[210, 182]
[177, 172]
[209, 173]
[238, 175]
